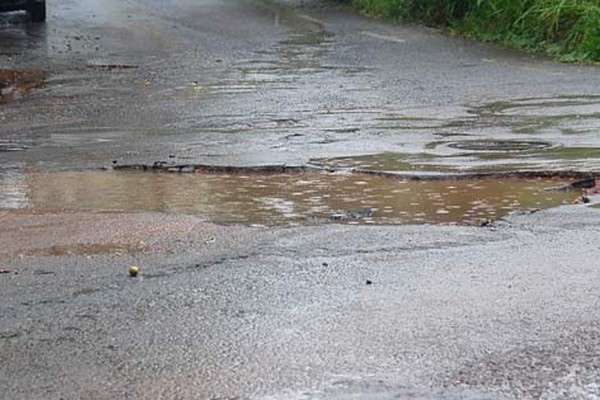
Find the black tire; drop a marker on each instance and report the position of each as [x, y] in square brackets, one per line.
[37, 11]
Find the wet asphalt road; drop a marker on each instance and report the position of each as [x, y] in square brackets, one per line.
[221, 312]
[502, 312]
[145, 81]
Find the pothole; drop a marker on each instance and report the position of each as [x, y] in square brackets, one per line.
[567, 162]
[281, 199]
[574, 106]
[504, 146]
[16, 84]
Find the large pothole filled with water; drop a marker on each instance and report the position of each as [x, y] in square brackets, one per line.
[475, 157]
[280, 199]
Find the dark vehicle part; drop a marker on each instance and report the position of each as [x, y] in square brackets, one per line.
[35, 8]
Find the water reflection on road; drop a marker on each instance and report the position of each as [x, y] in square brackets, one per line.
[272, 199]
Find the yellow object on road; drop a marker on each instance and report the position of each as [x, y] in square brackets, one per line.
[134, 270]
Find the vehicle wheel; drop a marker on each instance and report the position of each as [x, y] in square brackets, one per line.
[37, 10]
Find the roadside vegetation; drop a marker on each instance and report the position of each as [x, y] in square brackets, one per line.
[567, 29]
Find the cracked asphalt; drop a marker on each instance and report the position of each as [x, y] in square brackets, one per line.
[505, 311]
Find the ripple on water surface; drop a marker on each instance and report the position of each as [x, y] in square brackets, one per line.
[272, 199]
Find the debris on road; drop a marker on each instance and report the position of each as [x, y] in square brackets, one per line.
[581, 200]
[486, 222]
[352, 215]
[134, 270]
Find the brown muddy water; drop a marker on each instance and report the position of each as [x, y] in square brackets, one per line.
[280, 199]
[16, 84]
[476, 156]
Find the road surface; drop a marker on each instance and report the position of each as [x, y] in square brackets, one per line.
[333, 311]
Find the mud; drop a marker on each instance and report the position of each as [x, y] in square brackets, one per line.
[16, 84]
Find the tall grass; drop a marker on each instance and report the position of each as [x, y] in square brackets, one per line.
[567, 29]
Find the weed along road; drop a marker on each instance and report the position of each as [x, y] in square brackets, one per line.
[285, 200]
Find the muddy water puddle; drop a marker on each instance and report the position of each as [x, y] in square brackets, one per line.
[280, 199]
[476, 156]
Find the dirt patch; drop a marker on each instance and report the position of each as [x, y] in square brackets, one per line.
[87, 249]
[29, 233]
[16, 84]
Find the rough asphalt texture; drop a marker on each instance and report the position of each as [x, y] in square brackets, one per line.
[508, 311]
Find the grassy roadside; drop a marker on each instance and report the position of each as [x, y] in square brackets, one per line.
[566, 29]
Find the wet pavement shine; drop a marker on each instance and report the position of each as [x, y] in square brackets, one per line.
[359, 209]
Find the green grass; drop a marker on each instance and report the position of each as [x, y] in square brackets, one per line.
[567, 29]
